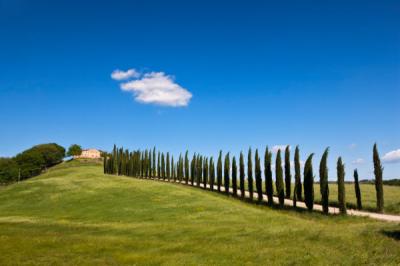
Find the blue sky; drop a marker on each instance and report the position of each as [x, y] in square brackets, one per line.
[307, 73]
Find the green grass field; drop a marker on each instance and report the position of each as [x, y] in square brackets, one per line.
[75, 215]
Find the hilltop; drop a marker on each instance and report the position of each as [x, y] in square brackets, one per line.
[75, 214]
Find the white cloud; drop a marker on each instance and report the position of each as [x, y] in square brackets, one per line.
[158, 88]
[392, 157]
[279, 147]
[358, 161]
[124, 75]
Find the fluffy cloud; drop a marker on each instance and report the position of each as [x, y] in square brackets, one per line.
[358, 161]
[279, 147]
[392, 157]
[124, 75]
[158, 88]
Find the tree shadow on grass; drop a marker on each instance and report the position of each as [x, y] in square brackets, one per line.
[395, 234]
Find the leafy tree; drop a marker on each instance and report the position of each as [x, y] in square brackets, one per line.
[186, 167]
[357, 190]
[226, 173]
[219, 172]
[269, 188]
[341, 188]
[323, 182]
[309, 183]
[378, 171]
[9, 170]
[74, 150]
[250, 174]
[212, 173]
[297, 175]
[241, 175]
[280, 190]
[234, 176]
[288, 175]
[258, 177]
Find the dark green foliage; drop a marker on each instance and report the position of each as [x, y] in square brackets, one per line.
[9, 170]
[250, 174]
[163, 174]
[154, 164]
[341, 188]
[212, 173]
[158, 165]
[74, 150]
[186, 167]
[193, 169]
[168, 167]
[226, 173]
[297, 176]
[357, 190]
[309, 183]
[288, 175]
[378, 172]
[269, 188]
[219, 172]
[205, 172]
[280, 189]
[323, 182]
[199, 170]
[241, 175]
[258, 177]
[234, 176]
[173, 176]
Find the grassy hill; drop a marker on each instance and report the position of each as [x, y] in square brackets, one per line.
[74, 214]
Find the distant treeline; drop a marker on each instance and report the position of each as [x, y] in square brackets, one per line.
[30, 162]
[201, 171]
[388, 182]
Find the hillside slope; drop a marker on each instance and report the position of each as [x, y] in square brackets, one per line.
[74, 214]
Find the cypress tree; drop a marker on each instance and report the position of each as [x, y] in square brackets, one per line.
[241, 175]
[193, 169]
[378, 171]
[234, 176]
[186, 167]
[288, 175]
[250, 174]
[163, 166]
[219, 172]
[341, 188]
[226, 173]
[199, 170]
[357, 190]
[269, 187]
[323, 182]
[205, 172]
[258, 177]
[154, 163]
[105, 163]
[212, 173]
[297, 175]
[168, 170]
[159, 166]
[115, 162]
[150, 169]
[280, 189]
[173, 169]
[309, 183]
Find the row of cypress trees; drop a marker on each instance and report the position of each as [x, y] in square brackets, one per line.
[201, 171]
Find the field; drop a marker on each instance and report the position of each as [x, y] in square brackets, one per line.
[74, 214]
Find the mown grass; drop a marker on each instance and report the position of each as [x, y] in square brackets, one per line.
[75, 215]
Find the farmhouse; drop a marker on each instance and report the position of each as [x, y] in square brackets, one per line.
[90, 154]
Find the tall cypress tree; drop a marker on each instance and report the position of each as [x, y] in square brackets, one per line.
[323, 182]
[199, 170]
[186, 167]
[258, 177]
[154, 163]
[234, 176]
[205, 172]
[269, 187]
[357, 190]
[378, 171]
[226, 173]
[150, 169]
[288, 175]
[341, 188]
[168, 166]
[159, 166]
[193, 169]
[241, 175]
[250, 174]
[163, 166]
[309, 183]
[212, 173]
[219, 171]
[173, 168]
[280, 189]
[297, 175]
